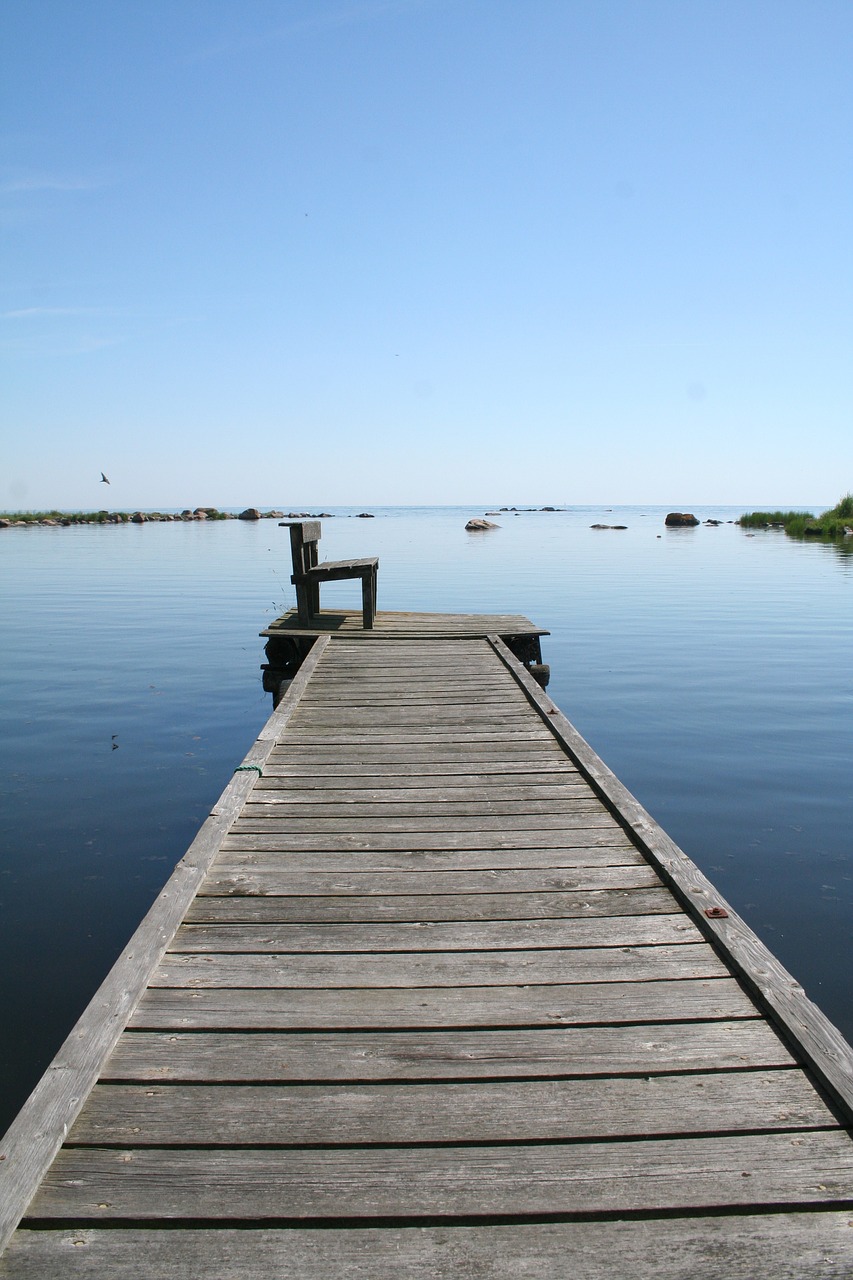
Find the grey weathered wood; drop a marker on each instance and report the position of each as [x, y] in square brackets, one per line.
[291, 772]
[821, 1043]
[571, 1004]
[508, 1111]
[276, 838]
[452, 628]
[439, 969]
[542, 1052]
[276, 805]
[617, 852]
[283, 791]
[412, 907]
[259, 874]
[489, 717]
[577, 813]
[602, 1177]
[431, 691]
[436, 936]
[750, 1246]
[36, 1134]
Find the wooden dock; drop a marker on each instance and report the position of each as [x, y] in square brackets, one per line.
[432, 996]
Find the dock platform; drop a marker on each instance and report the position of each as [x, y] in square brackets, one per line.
[431, 995]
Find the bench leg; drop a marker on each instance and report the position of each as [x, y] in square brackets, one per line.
[303, 603]
[368, 599]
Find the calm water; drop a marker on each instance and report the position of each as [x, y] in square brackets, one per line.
[713, 672]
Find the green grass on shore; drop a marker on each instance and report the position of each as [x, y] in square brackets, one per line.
[804, 524]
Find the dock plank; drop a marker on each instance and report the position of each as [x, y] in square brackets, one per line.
[91, 1183]
[784, 1245]
[468, 935]
[550, 1052]
[509, 1111]
[241, 905]
[276, 838]
[438, 969]
[568, 1004]
[268, 874]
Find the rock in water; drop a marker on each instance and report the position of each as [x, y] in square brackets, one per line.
[479, 526]
[680, 519]
[251, 513]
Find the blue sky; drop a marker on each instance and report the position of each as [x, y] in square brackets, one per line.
[426, 251]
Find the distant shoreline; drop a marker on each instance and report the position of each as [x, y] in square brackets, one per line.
[65, 519]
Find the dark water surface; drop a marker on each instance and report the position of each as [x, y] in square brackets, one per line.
[712, 670]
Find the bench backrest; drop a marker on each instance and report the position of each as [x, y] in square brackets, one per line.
[304, 537]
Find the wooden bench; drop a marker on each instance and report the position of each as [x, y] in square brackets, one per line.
[308, 574]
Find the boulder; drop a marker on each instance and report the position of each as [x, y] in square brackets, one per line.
[479, 526]
[138, 517]
[251, 513]
[680, 519]
[365, 515]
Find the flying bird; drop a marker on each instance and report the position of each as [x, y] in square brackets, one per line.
[104, 479]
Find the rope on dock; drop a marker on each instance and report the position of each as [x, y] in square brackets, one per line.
[246, 768]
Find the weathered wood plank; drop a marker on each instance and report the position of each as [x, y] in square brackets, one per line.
[412, 907]
[603, 1177]
[480, 815]
[614, 853]
[748, 1246]
[490, 718]
[508, 1111]
[280, 805]
[549, 1052]
[247, 837]
[411, 776]
[572, 1004]
[275, 790]
[531, 753]
[263, 874]
[405, 623]
[434, 735]
[436, 691]
[436, 936]
[439, 969]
